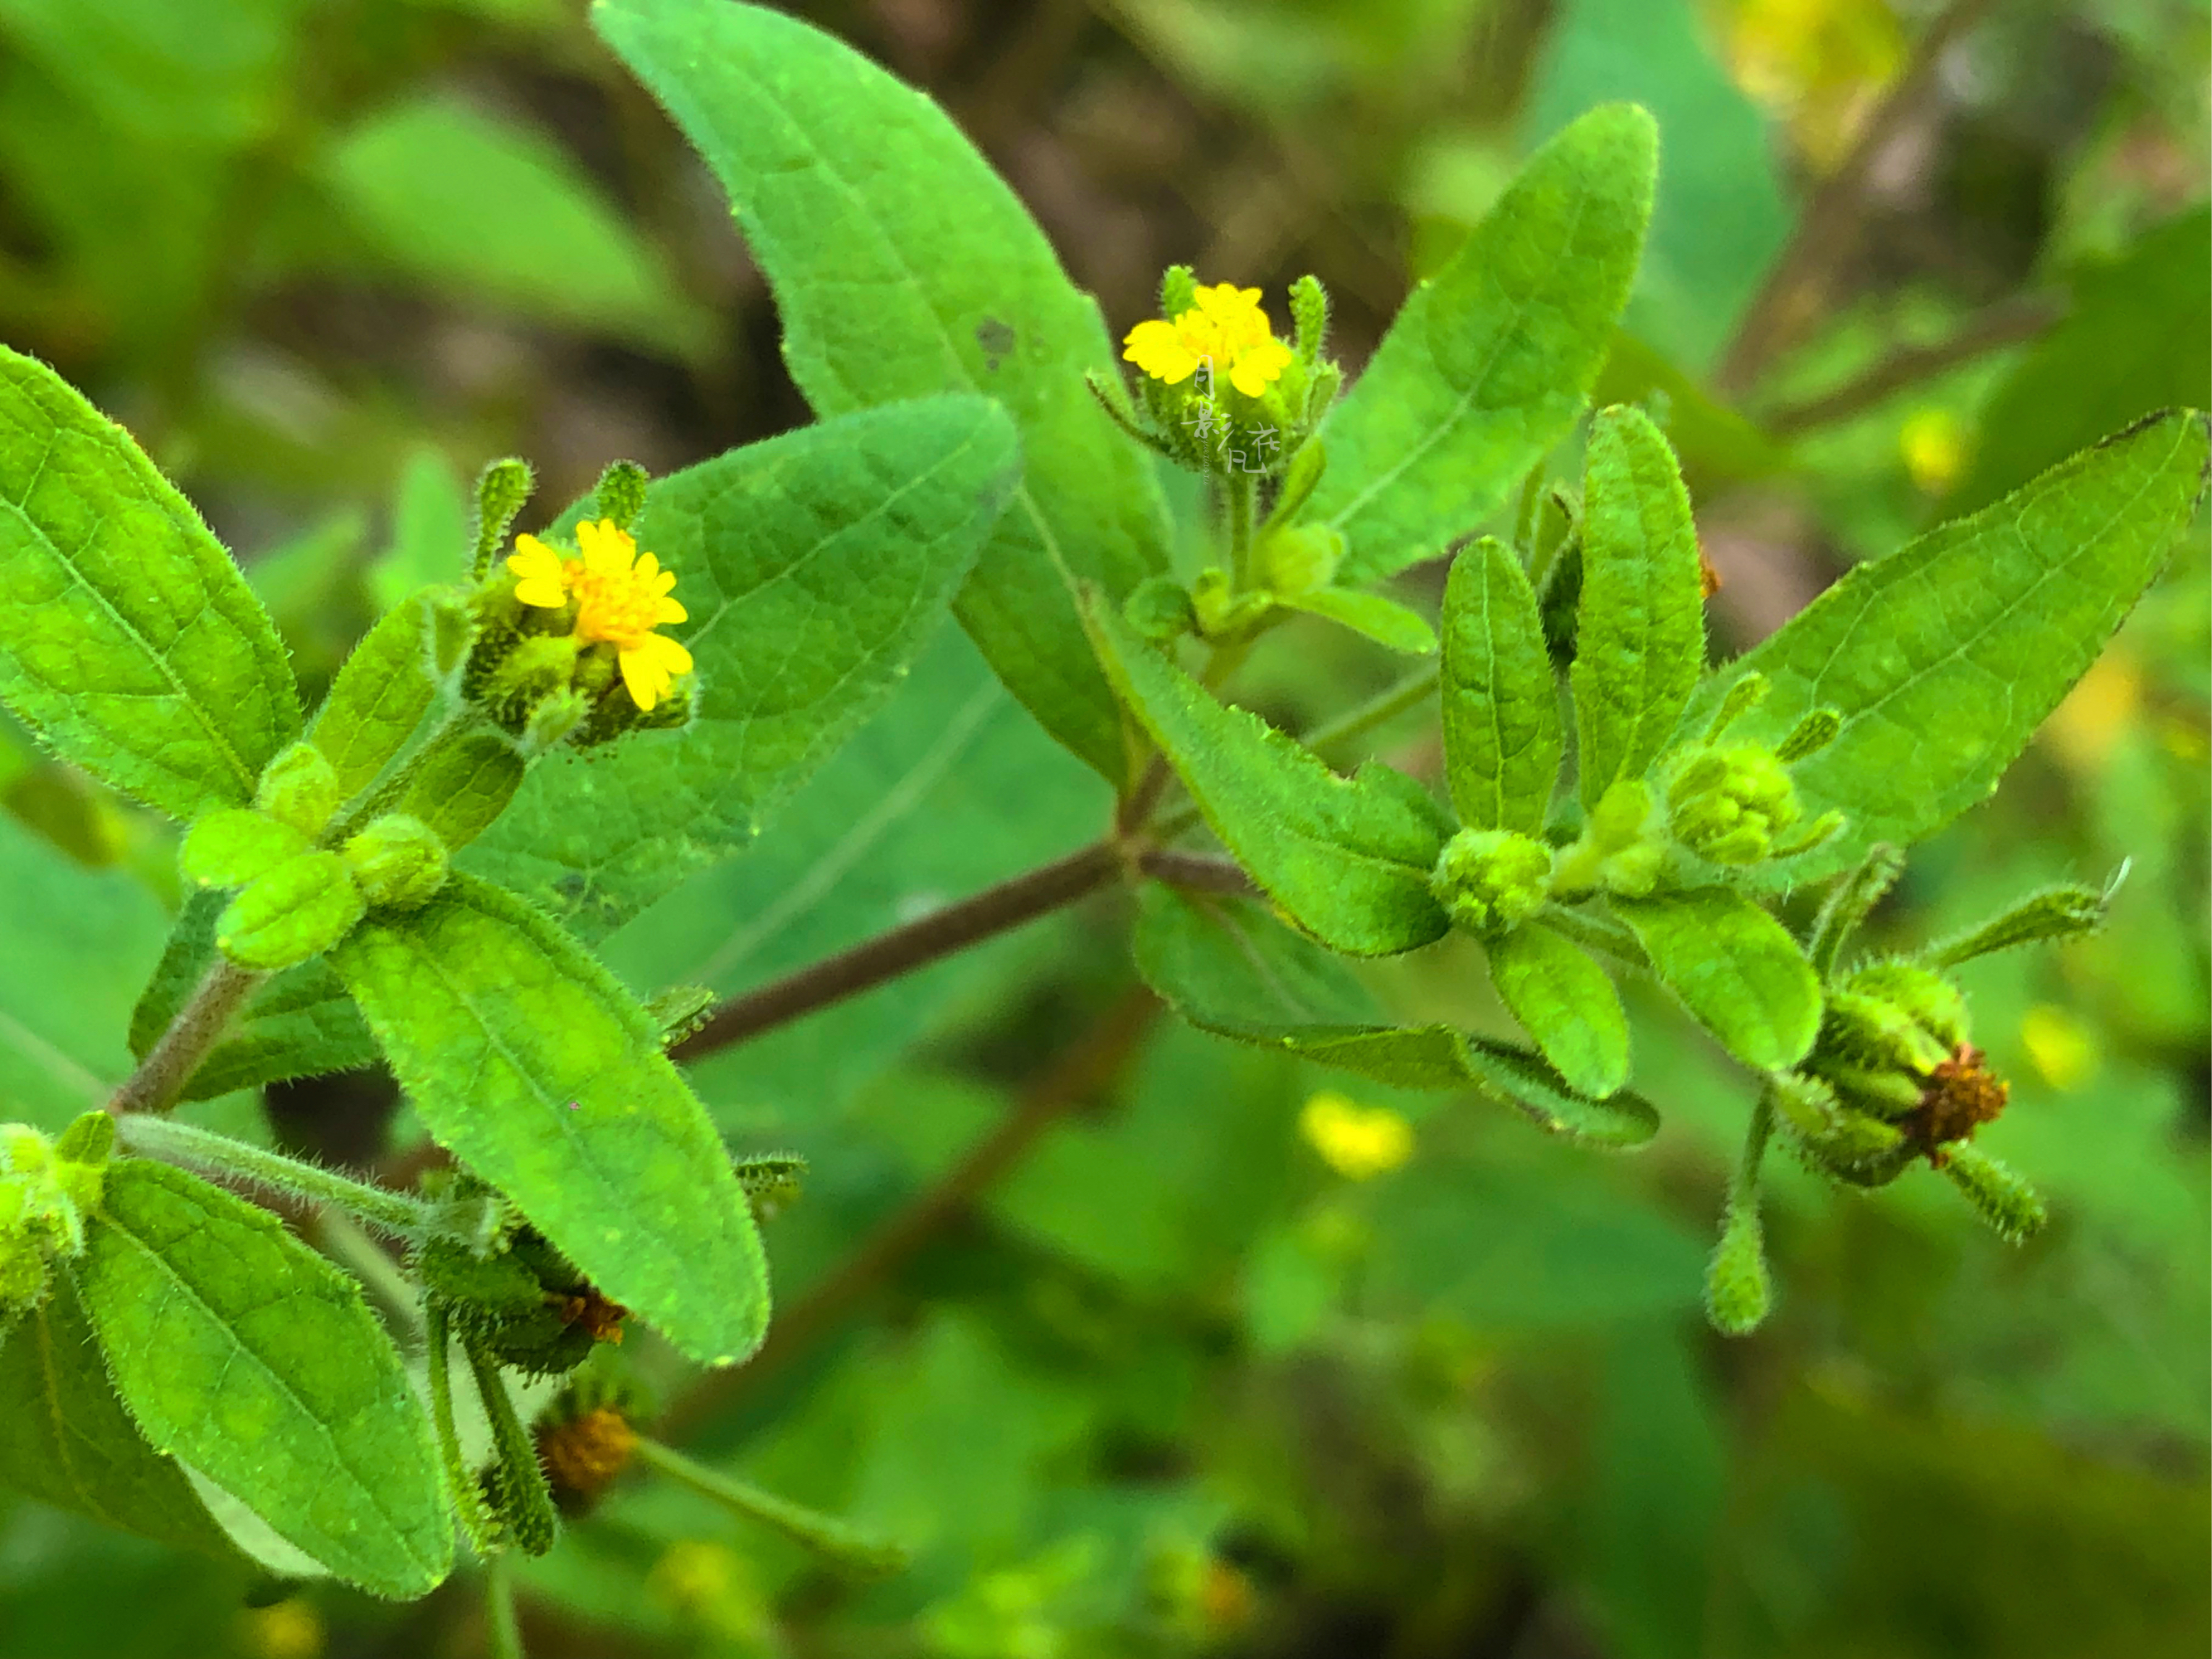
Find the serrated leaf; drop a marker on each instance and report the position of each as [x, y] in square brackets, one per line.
[495, 1021]
[1944, 658]
[1490, 363]
[299, 1024]
[1227, 967]
[1348, 859]
[65, 1439]
[815, 566]
[244, 1354]
[1566, 1002]
[1393, 626]
[903, 265]
[1640, 630]
[1501, 705]
[1735, 968]
[128, 639]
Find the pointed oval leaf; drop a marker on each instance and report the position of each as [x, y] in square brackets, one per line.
[815, 566]
[1566, 1002]
[1501, 705]
[1229, 968]
[128, 639]
[1640, 630]
[903, 265]
[1348, 859]
[65, 1439]
[529, 1060]
[1393, 626]
[1943, 658]
[243, 1354]
[404, 666]
[1491, 362]
[1735, 968]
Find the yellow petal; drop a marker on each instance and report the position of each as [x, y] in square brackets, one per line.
[644, 676]
[647, 564]
[673, 656]
[1260, 367]
[540, 569]
[1158, 349]
[669, 610]
[607, 550]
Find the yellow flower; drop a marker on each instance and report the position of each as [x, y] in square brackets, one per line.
[1226, 329]
[1357, 1141]
[2058, 1045]
[622, 596]
[1934, 446]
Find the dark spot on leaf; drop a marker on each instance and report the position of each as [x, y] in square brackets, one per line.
[997, 340]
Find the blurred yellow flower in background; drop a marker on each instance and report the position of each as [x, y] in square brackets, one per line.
[1934, 446]
[1358, 1142]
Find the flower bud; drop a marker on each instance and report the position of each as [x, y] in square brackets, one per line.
[298, 909]
[1620, 850]
[620, 493]
[551, 722]
[1491, 880]
[1893, 1044]
[1299, 558]
[1738, 1290]
[1160, 609]
[300, 789]
[399, 862]
[537, 667]
[1730, 803]
[46, 1190]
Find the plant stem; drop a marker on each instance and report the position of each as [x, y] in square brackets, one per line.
[203, 1149]
[467, 1496]
[366, 1259]
[198, 1025]
[994, 911]
[1081, 1072]
[1239, 487]
[1200, 871]
[502, 1627]
[842, 1543]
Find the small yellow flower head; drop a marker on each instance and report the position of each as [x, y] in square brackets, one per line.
[1358, 1142]
[621, 595]
[1226, 328]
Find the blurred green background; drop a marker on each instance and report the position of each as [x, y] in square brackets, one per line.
[1103, 1317]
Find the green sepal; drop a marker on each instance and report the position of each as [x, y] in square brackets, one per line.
[1738, 1290]
[2064, 911]
[399, 862]
[294, 910]
[1567, 1003]
[2011, 1207]
[1734, 967]
[502, 490]
[619, 495]
[235, 845]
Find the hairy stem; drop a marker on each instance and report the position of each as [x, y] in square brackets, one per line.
[366, 1259]
[462, 1488]
[845, 1544]
[200, 1024]
[1239, 487]
[1595, 933]
[201, 1149]
[502, 1627]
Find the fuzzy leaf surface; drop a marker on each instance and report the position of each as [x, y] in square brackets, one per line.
[1640, 634]
[1566, 1002]
[1229, 968]
[815, 566]
[128, 639]
[1734, 967]
[1501, 705]
[65, 1439]
[242, 1352]
[1491, 362]
[1348, 859]
[1945, 657]
[495, 1020]
[903, 265]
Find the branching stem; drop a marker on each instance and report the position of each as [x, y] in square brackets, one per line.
[201, 1149]
[198, 1025]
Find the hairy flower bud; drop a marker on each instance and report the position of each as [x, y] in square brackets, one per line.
[1160, 609]
[1730, 803]
[300, 789]
[399, 862]
[1491, 880]
[1893, 1045]
[1299, 558]
[1738, 1290]
[46, 1190]
[298, 909]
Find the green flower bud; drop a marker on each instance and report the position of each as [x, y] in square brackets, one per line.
[1223, 614]
[298, 909]
[1729, 803]
[1738, 1289]
[397, 862]
[1830, 1139]
[1299, 558]
[527, 1305]
[1620, 849]
[299, 788]
[232, 844]
[46, 1190]
[552, 721]
[2008, 1204]
[1893, 1045]
[533, 669]
[1160, 609]
[1491, 880]
[620, 493]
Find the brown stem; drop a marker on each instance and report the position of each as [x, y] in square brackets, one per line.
[170, 1063]
[994, 911]
[1198, 871]
[1080, 1073]
[1830, 223]
[2006, 322]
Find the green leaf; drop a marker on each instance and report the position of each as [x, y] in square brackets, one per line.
[1501, 705]
[903, 265]
[1227, 967]
[815, 566]
[485, 208]
[1393, 626]
[232, 844]
[2138, 338]
[298, 909]
[530, 1063]
[467, 779]
[244, 1354]
[299, 1024]
[1640, 634]
[72, 943]
[1489, 365]
[1566, 1002]
[128, 639]
[1734, 967]
[1348, 859]
[405, 666]
[429, 531]
[65, 1439]
[1943, 658]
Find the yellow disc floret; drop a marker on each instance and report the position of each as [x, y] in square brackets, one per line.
[1226, 329]
[621, 595]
